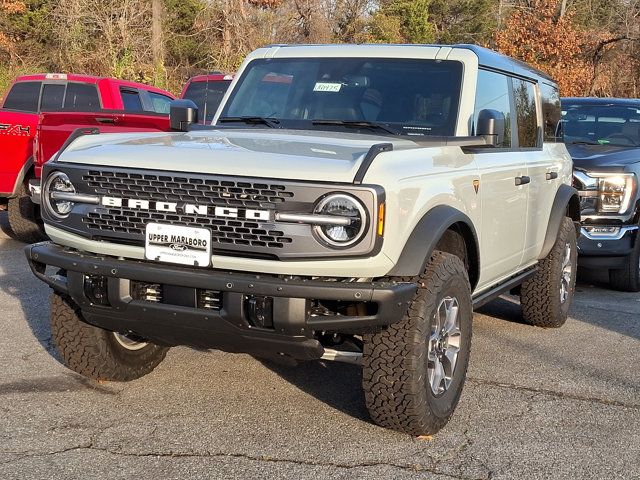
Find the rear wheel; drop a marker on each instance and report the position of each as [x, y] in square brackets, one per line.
[24, 218]
[414, 370]
[97, 353]
[627, 279]
[546, 297]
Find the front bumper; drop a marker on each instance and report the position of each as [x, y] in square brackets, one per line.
[229, 327]
[607, 250]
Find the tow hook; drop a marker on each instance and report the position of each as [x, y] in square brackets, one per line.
[35, 191]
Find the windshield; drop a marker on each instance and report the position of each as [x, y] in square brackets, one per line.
[409, 97]
[207, 96]
[601, 124]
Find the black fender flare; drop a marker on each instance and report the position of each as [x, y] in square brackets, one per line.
[425, 236]
[565, 204]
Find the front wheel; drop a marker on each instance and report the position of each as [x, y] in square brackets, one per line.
[414, 370]
[97, 353]
[546, 297]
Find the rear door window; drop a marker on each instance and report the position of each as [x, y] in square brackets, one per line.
[82, 97]
[24, 96]
[493, 92]
[52, 97]
[131, 100]
[525, 100]
[160, 103]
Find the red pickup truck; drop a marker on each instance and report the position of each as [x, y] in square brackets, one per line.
[21, 116]
[207, 91]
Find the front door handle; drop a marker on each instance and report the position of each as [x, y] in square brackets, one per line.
[522, 180]
[552, 175]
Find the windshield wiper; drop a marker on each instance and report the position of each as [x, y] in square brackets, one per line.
[268, 121]
[583, 142]
[357, 124]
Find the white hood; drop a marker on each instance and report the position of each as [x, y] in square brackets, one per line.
[286, 154]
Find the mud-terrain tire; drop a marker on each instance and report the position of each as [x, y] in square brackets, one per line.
[94, 352]
[24, 218]
[398, 362]
[627, 279]
[546, 297]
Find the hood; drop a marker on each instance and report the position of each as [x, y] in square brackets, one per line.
[592, 157]
[284, 154]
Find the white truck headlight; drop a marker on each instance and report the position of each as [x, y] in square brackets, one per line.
[56, 194]
[344, 206]
[615, 192]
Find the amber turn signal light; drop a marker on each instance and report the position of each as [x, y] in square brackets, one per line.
[381, 219]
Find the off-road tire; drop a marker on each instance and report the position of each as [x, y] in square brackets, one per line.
[627, 279]
[396, 384]
[94, 352]
[24, 218]
[540, 294]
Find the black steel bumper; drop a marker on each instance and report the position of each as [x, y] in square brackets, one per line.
[228, 328]
[606, 250]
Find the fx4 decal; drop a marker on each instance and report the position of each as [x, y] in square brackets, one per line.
[8, 129]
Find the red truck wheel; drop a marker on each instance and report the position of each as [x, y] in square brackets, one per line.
[24, 218]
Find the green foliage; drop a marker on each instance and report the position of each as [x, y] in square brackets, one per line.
[463, 21]
[182, 45]
[403, 21]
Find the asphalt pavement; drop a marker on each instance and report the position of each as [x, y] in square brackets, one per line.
[538, 404]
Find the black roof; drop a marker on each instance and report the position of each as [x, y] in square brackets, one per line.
[486, 58]
[618, 102]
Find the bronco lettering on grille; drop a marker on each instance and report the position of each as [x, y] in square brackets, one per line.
[187, 208]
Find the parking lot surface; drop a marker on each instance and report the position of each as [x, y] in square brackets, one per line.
[538, 404]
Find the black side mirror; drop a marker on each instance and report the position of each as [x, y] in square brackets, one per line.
[182, 113]
[490, 125]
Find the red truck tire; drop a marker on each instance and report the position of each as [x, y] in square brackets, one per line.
[24, 217]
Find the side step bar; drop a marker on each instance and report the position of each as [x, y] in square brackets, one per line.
[505, 286]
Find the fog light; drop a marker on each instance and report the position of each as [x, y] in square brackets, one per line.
[95, 289]
[260, 311]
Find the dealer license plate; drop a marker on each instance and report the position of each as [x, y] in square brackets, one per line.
[178, 244]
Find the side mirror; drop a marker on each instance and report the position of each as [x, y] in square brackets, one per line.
[182, 113]
[490, 125]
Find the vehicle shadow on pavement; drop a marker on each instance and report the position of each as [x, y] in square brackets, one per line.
[335, 384]
[4, 225]
[18, 282]
[623, 322]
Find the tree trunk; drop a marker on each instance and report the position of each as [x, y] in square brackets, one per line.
[157, 42]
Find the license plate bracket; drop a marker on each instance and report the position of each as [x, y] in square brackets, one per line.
[178, 244]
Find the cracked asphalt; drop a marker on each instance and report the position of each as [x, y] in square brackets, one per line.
[538, 404]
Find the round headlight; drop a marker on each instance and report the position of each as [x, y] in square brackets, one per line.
[59, 183]
[350, 222]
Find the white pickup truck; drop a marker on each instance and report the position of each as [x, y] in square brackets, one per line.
[350, 202]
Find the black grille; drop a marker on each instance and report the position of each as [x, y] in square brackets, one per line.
[202, 191]
[180, 189]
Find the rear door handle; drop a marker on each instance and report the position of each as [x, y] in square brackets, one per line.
[522, 180]
[552, 175]
[105, 120]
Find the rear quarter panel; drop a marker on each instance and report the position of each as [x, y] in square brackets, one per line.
[17, 130]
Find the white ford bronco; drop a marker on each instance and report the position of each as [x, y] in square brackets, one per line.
[351, 202]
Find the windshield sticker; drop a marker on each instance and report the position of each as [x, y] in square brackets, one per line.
[327, 87]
